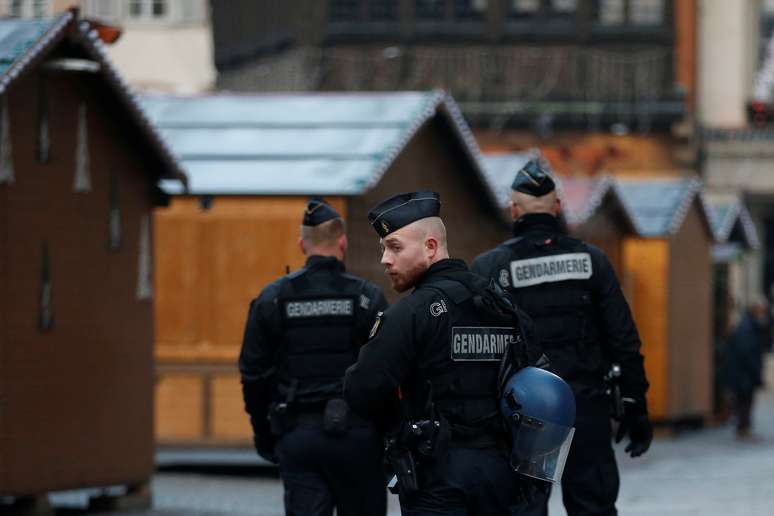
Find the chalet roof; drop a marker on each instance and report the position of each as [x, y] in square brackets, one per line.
[731, 221]
[298, 144]
[658, 206]
[25, 43]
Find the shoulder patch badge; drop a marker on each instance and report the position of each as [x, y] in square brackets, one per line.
[376, 326]
[364, 302]
[503, 279]
[438, 308]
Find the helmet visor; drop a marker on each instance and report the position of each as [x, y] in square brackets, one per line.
[540, 449]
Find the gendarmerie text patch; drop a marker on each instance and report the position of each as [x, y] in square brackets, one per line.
[319, 308]
[477, 343]
[548, 269]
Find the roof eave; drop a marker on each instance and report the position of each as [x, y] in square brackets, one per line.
[89, 39]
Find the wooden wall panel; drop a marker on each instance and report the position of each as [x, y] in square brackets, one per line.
[229, 420]
[430, 162]
[690, 314]
[90, 377]
[210, 264]
[4, 443]
[605, 229]
[179, 407]
[647, 264]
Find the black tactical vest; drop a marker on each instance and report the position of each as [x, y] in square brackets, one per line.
[550, 279]
[319, 329]
[464, 378]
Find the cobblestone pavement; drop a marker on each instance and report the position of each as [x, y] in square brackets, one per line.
[705, 472]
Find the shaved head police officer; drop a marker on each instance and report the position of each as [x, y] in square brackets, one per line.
[302, 332]
[584, 325]
[431, 365]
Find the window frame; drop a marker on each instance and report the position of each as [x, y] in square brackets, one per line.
[362, 24]
[545, 23]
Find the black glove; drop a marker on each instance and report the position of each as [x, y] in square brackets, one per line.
[640, 432]
[265, 446]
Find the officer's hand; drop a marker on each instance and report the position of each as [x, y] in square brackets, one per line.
[640, 432]
[265, 446]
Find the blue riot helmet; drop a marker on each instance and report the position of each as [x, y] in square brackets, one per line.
[539, 409]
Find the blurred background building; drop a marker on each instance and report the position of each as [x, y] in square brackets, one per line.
[165, 45]
[594, 84]
[736, 61]
[621, 97]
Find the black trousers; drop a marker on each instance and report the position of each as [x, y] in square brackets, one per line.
[467, 482]
[742, 405]
[590, 481]
[320, 472]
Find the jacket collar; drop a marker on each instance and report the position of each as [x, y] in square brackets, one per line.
[536, 222]
[324, 262]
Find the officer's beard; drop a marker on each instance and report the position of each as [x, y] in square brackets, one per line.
[401, 282]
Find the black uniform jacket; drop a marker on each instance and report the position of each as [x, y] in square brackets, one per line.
[570, 290]
[263, 363]
[411, 345]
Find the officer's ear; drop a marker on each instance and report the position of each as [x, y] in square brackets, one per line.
[342, 241]
[515, 210]
[301, 246]
[557, 206]
[431, 244]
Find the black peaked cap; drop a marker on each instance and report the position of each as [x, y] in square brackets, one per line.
[318, 211]
[403, 209]
[532, 179]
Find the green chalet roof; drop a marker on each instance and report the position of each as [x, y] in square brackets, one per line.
[28, 43]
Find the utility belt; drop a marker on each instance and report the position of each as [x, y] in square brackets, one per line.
[417, 442]
[423, 441]
[483, 441]
[333, 415]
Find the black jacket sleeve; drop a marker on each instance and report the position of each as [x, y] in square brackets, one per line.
[371, 384]
[485, 264]
[257, 359]
[376, 303]
[618, 332]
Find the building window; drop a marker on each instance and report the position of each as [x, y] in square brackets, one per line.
[344, 10]
[105, 9]
[524, 8]
[383, 10]
[470, 9]
[612, 12]
[363, 10]
[148, 9]
[564, 6]
[646, 12]
[549, 9]
[135, 8]
[40, 8]
[159, 8]
[631, 12]
[431, 9]
[16, 8]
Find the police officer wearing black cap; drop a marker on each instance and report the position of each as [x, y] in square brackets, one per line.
[302, 332]
[584, 326]
[431, 368]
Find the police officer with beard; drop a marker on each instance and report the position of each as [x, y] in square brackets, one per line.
[584, 325]
[302, 332]
[431, 369]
